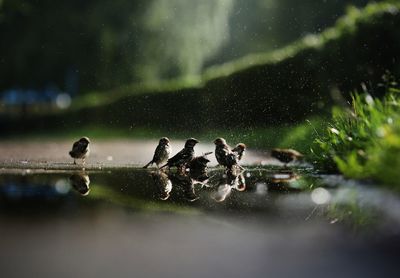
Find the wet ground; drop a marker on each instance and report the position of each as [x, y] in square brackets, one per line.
[262, 222]
[53, 154]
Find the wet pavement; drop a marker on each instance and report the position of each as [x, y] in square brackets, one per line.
[53, 154]
[264, 221]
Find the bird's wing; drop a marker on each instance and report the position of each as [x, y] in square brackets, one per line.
[232, 158]
[176, 157]
[75, 145]
[157, 153]
[80, 147]
[182, 155]
[75, 148]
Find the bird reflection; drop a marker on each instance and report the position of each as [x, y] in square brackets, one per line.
[184, 183]
[282, 180]
[239, 182]
[223, 191]
[163, 184]
[80, 182]
[234, 179]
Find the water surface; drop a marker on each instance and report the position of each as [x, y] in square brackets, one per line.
[147, 223]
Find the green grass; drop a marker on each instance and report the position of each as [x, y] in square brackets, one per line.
[363, 141]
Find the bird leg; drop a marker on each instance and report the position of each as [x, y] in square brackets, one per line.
[74, 161]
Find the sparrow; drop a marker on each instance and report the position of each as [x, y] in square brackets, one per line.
[161, 154]
[224, 155]
[80, 182]
[286, 155]
[199, 163]
[80, 149]
[183, 157]
[239, 149]
[198, 168]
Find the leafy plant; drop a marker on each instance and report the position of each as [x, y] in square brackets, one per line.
[363, 141]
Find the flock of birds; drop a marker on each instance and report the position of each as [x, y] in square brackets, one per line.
[186, 159]
[191, 169]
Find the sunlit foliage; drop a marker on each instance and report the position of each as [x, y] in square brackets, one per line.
[363, 141]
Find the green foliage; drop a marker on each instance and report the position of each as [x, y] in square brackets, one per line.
[109, 43]
[364, 141]
[288, 85]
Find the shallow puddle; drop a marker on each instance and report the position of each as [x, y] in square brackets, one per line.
[254, 223]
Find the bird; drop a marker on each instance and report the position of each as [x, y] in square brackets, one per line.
[184, 156]
[198, 168]
[286, 155]
[80, 149]
[199, 163]
[224, 155]
[161, 154]
[80, 182]
[240, 150]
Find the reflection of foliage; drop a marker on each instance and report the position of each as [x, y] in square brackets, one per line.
[350, 211]
[364, 141]
[105, 193]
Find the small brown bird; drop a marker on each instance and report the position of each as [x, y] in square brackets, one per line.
[199, 163]
[184, 156]
[224, 155]
[286, 155]
[198, 168]
[162, 153]
[240, 150]
[80, 149]
[80, 182]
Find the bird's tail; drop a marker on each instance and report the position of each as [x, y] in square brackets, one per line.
[148, 164]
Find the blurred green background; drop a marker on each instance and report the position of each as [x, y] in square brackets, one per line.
[174, 65]
[110, 43]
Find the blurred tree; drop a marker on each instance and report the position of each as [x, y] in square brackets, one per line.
[263, 25]
[182, 35]
[45, 39]
[110, 43]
